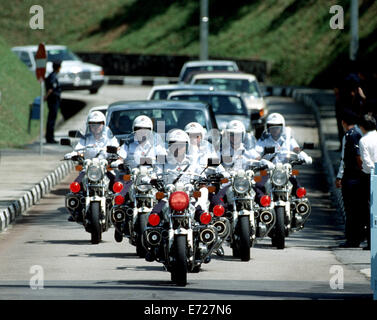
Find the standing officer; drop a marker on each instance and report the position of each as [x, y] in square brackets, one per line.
[53, 91]
[349, 180]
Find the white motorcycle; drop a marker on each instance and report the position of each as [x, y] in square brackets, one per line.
[132, 206]
[292, 210]
[90, 200]
[174, 236]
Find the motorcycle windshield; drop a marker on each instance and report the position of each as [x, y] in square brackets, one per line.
[285, 157]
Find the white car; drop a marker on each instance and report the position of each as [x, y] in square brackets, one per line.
[161, 92]
[205, 65]
[245, 83]
[74, 73]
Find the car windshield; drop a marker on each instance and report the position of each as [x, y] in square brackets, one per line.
[221, 104]
[60, 55]
[241, 85]
[191, 70]
[121, 121]
[161, 94]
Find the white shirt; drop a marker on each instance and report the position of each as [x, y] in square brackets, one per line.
[99, 145]
[368, 151]
[133, 152]
[285, 143]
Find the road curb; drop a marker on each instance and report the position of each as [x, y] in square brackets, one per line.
[18, 207]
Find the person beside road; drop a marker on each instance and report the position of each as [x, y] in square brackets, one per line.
[349, 180]
[368, 153]
[53, 92]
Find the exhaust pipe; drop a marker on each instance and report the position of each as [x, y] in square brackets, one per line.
[267, 217]
[73, 202]
[221, 227]
[302, 208]
[153, 237]
[207, 236]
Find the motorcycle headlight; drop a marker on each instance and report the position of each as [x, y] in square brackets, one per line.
[241, 185]
[94, 173]
[279, 178]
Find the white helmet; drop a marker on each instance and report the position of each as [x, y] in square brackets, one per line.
[275, 119]
[194, 127]
[235, 126]
[96, 117]
[177, 135]
[142, 122]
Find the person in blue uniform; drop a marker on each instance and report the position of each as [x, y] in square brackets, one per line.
[53, 91]
[349, 180]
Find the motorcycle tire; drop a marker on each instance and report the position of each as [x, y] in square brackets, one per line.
[278, 240]
[96, 230]
[140, 250]
[118, 236]
[244, 232]
[180, 264]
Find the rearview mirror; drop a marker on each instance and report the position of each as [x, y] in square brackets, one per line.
[111, 149]
[213, 162]
[268, 150]
[65, 142]
[75, 134]
[308, 145]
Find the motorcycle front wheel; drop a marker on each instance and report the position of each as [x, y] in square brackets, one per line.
[244, 229]
[96, 230]
[278, 239]
[179, 270]
[143, 221]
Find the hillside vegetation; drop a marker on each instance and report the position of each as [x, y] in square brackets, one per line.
[294, 36]
[18, 87]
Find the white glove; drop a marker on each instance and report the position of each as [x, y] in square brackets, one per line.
[116, 164]
[69, 155]
[267, 163]
[303, 156]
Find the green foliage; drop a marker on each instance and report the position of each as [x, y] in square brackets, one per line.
[294, 36]
[18, 88]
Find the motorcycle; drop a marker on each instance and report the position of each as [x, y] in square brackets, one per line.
[89, 201]
[174, 236]
[248, 219]
[292, 210]
[133, 203]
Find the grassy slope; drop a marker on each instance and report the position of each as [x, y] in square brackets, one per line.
[293, 35]
[18, 88]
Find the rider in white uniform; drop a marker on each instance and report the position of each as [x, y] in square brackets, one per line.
[97, 137]
[279, 136]
[145, 144]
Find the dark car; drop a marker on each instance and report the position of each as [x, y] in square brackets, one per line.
[226, 105]
[166, 115]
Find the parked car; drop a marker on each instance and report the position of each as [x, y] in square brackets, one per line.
[226, 105]
[242, 82]
[74, 73]
[166, 115]
[161, 92]
[206, 65]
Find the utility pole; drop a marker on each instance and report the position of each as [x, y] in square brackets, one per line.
[204, 29]
[354, 44]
